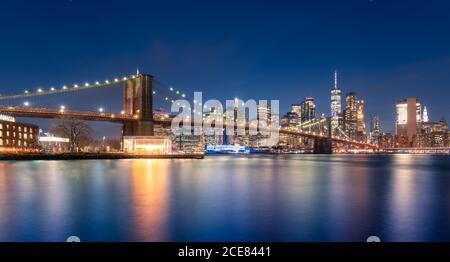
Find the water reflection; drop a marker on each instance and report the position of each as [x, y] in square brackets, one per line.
[228, 198]
[149, 200]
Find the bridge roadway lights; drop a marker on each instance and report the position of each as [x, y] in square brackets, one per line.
[322, 146]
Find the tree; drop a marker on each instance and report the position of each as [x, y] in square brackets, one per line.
[78, 132]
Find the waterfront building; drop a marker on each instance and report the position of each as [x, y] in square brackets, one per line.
[438, 139]
[336, 108]
[448, 139]
[17, 137]
[264, 117]
[210, 135]
[307, 109]
[386, 140]
[431, 134]
[408, 120]
[147, 145]
[421, 140]
[402, 141]
[53, 144]
[374, 130]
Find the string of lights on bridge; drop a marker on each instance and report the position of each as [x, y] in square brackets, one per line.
[174, 93]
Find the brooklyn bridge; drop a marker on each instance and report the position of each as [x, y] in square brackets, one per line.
[140, 93]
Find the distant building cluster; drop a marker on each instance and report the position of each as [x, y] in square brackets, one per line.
[414, 129]
[347, 121]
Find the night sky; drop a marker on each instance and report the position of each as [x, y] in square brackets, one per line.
[384, 50]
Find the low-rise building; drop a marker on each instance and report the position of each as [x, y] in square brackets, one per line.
[17, 137]
[53, 144]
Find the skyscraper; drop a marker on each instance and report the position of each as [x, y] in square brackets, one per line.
[360, 124]
[296, 108]
[374, 130]
[409, 119]
[425, 115]
[335, 104]
[307, 109]
[351, 115]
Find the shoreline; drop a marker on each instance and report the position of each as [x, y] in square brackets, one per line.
[95, 156]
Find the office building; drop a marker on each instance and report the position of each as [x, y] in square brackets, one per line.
[360, 122]
[307, 109]
[351, 115]
[374, 130]
[386, 140]
[408, 120]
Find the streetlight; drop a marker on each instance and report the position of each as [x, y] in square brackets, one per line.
[26, 103]
[100, 109]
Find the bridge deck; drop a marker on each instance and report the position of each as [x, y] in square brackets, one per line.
[123, 118]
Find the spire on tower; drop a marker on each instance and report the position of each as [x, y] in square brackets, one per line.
[335, 79]
[425, 115]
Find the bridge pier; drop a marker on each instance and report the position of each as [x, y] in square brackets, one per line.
[322, 146]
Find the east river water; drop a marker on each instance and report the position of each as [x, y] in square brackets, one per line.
[228, 198]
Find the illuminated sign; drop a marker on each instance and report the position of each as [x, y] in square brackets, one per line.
[7, 118]
[53, 139]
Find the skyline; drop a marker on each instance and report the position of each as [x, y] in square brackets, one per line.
[373, 51]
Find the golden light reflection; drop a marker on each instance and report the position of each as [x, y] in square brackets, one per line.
[402, 191]
[149, 199]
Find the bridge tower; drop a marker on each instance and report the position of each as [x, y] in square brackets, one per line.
[138, 101]
[324, 145]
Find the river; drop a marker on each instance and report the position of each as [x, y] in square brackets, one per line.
[228, 198]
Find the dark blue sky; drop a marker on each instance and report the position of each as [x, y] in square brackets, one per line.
[383, 49]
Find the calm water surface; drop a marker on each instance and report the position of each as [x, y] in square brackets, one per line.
[228, 198]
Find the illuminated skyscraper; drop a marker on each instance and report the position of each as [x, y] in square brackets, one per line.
[425, 115]
[374, 130]
[351, 115]
[335, 104]
[296, 109]
[307, 109]
[360, 124]
[409, 118]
